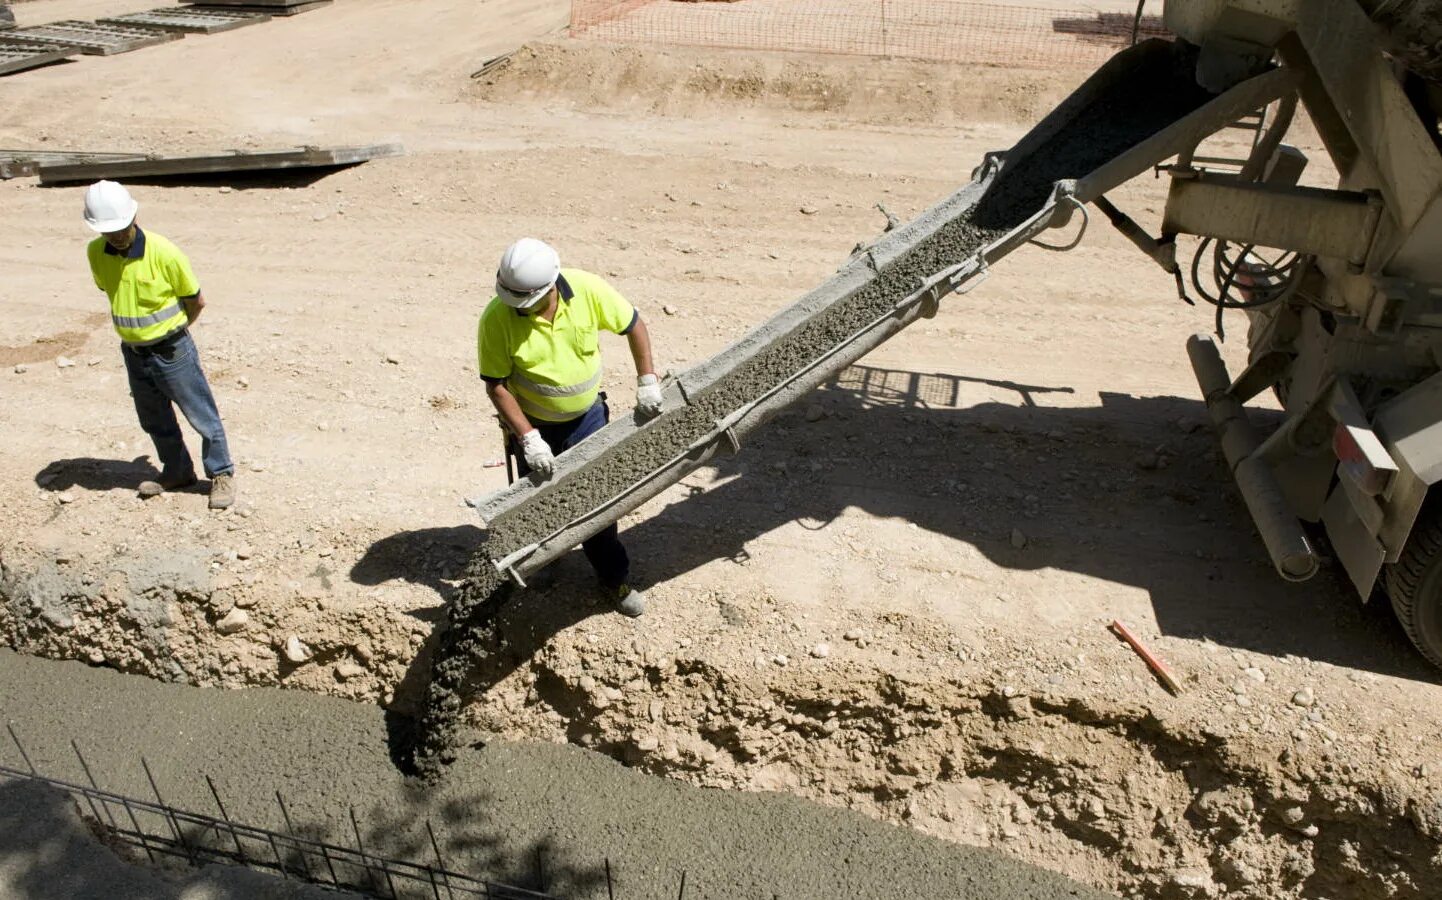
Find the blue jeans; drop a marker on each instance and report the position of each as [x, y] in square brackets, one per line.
[605, 550]
[162, 377]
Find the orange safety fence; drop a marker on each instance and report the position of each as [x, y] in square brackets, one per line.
[944, 30]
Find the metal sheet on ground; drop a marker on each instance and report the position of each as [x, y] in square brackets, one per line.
[151, 166]
[265, 3]
[98, 40]
[293, 9]
[189, 21]
[17, 57]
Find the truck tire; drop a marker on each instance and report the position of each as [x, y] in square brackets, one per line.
[1414, 584]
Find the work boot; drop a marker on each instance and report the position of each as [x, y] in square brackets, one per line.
[168, 481]
[628, 601]
[222, 492]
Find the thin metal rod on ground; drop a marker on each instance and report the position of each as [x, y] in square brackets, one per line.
[1151, 659]
[440, 860]
[21, 747]
[170, 816]
[290, 830]
[85, 767]
[239, 851]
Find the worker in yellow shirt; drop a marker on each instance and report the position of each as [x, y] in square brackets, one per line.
[540, 357]
[154, 299]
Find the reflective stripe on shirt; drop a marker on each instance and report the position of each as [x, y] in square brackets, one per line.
[556, 390]
[155, 318]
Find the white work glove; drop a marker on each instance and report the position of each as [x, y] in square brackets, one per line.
[538, 453]
[648, 396]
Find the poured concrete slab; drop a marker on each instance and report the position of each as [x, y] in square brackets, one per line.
[151, 166]
[189, 21]
[95, 39]
[501, 802]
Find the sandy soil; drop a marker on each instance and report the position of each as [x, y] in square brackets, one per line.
[972, 506]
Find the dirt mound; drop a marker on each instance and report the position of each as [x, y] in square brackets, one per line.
[1107, 792]
[688, 81]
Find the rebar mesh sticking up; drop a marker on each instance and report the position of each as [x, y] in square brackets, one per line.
[162, 830]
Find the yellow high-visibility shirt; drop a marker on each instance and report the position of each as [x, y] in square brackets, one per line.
[145, 285]
[553, 368]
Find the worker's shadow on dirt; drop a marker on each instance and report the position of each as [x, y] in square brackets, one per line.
[1132, 491]
[434, 557]
[95, 474]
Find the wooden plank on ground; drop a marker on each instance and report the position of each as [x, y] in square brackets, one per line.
[18, 163]
[17, 56]
[287, 9]
[188, 21]
[100, 40]
[152, 166]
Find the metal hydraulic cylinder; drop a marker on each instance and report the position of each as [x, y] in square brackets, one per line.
[1292, 553]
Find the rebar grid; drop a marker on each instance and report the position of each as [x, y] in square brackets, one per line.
[162, 830]
[200, 839]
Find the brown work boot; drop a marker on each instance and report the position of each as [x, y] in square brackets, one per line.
[222, 492]
[167, 482]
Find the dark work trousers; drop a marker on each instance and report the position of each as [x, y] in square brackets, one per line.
[605, 551]
[166, 375]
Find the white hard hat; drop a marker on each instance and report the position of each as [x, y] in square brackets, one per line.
[529, 268]
[109, 207]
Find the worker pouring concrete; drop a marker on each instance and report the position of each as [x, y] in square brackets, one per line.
[154, 299]
[540, 356]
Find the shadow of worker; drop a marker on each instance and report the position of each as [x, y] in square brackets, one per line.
[432, 557]
[95, 474]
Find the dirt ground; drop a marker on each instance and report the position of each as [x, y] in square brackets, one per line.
[896, 600]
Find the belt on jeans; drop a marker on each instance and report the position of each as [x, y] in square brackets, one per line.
[159, 346]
